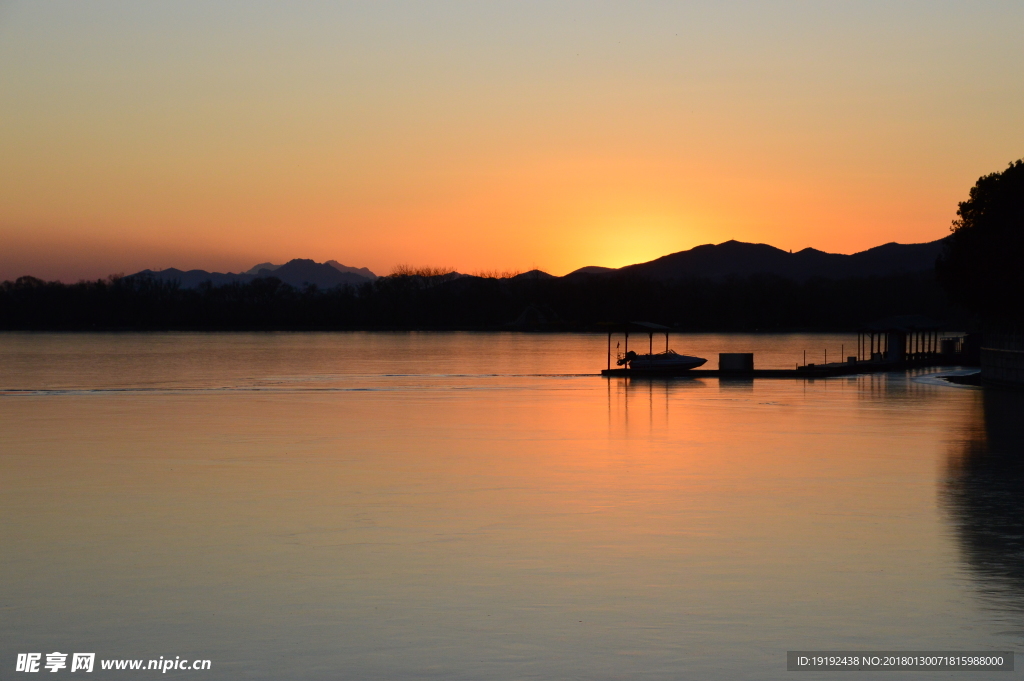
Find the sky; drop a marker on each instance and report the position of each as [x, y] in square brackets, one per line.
[490, 136]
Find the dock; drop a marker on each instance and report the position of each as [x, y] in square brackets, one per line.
[893, 344]
[808, 371]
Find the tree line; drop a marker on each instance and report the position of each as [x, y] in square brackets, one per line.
[447, 301]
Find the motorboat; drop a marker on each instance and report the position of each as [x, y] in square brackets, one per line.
[661, 361]
[665, 363]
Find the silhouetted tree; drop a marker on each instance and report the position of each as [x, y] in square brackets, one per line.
[982, 265]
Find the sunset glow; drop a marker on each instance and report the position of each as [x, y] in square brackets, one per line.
[489, 136]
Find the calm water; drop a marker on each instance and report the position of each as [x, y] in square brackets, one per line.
[475, 506]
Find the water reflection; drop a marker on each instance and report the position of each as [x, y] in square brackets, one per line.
[643, 402]
[984, 496]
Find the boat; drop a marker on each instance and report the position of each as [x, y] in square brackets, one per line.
[661, 362]
[668, 363]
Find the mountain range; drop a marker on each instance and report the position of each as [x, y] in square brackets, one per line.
[736, 258]
[361, 271]
[709, 261]
[298, 272]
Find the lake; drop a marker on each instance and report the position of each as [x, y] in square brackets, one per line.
[484, 506]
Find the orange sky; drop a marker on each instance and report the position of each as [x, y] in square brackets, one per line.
[487, 135]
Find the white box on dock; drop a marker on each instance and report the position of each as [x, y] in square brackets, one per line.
[735, 361]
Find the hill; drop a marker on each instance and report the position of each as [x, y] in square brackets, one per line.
[739, 259]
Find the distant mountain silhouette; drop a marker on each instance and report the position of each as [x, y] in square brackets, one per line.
[591, 270]
[298, 273]
[361, 271]
[534, 274]
[736, 258]
[302, 272]
[255, 269]
[194, 278]
[710, 261]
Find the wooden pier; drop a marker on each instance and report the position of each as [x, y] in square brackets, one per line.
[893, 344]
[808, 371]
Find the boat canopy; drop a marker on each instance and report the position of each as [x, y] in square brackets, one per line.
[650, 328]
